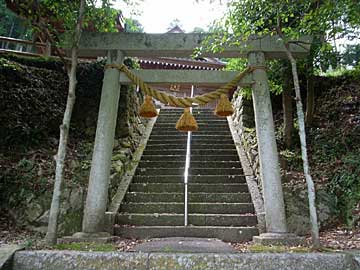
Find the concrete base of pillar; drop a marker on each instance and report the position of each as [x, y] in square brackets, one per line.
[100, 237]
[278, 239]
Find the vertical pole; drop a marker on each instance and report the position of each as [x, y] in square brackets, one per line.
[268, 154]
[187, 166]
[97, 196]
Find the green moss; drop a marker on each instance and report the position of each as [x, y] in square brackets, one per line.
[72, 222]
[278, 249]
[4, 63]
[85, 246]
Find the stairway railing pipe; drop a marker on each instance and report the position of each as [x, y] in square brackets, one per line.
[187, 166]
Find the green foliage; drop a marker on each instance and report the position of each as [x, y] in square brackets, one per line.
[351, 56]
[278, 249]
[57, 16]
[133, 26]
[27, 177]
[340, 163]
[85, 246]
[345, 183]
[11, 25]
[324, 20]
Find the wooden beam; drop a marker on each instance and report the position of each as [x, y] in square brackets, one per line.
[181, 45]
[186, 77]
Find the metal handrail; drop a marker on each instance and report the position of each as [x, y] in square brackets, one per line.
[21, 41]
[187, 166]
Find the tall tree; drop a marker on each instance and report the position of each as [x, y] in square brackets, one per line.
[288, 19]
[50, 18]
[51, 235]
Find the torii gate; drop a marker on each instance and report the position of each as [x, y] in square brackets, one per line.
[118, 45]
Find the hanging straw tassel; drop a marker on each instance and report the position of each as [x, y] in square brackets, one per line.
[148, 109]
[187, 122]
[224, 107]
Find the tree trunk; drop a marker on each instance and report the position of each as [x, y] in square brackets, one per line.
[288, 110]
[302, 134]
[51, 235]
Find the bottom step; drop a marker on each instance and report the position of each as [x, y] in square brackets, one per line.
[82, 260]
[229, 234]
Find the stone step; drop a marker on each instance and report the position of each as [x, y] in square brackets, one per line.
[169, 123]
[230, 234]
[210, 179]
[193, 146]
[209, 140]
[167, 141]
[178, 219]
[192, 171]
[174, 131]
[177, 136]
[181, 135]
[202, 125]
[196, 164]
[159, 171]
[193, 208]
[230, 153]
[215, 171]
[212, 152]
[233, 157]
[211, 136]
[164, 151]
[213, 179]
[164, 158]
[193, 197]
[201, 121]
[192, 187]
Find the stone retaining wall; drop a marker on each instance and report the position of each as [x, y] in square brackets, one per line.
[64, 260]
[296, 202]
[35, 213]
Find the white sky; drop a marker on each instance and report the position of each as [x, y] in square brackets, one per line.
[158, 14]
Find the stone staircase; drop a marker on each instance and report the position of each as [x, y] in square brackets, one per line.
[219, 204]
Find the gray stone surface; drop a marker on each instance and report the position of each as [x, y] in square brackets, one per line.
[268, 153]
[185, 245]
[250, 176]
[6, 253]
[97, 194]
[66, 260]
[208, 77]
[278, 239]
[180, 45]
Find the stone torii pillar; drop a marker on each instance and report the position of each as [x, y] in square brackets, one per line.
[97, 196]
[276, 229]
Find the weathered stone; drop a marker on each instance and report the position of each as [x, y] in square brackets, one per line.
[180, 45]
[76, 199]
[43, 219]
[285, 261]
[67, 260]
[185, 245]
[6, 254]
[33, 211]
[268, 154]
[278, 239]
[297, 212]
[120, 156]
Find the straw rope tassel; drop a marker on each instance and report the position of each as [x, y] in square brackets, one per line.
[177, 101]
[187, 122]
[148, 108]
[224, 107]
